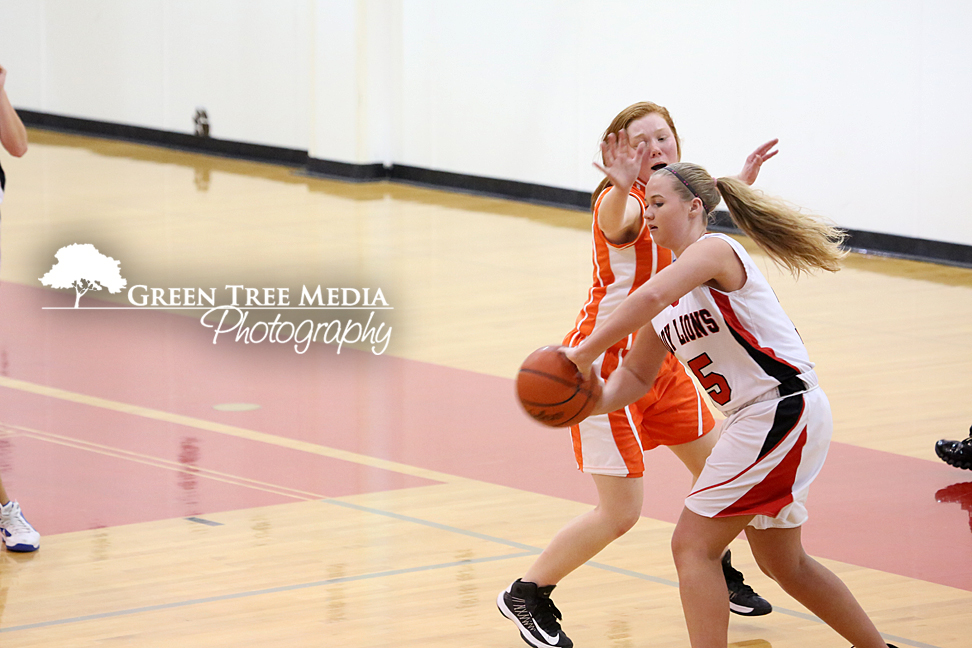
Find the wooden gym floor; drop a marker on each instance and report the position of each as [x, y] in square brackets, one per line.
[244, 493]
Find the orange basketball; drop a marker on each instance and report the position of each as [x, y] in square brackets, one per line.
[553, 391]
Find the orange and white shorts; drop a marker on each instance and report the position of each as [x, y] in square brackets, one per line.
[767, 455]
[672, 413]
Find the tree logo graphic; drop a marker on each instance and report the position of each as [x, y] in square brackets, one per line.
[82, 267]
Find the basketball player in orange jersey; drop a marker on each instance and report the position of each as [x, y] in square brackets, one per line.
[714, 310]
[640, 140]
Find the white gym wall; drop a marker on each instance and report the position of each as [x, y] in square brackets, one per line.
[869, 97]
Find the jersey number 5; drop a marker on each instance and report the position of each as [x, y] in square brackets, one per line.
[714, 384]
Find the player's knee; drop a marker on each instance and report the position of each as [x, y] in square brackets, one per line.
[766, 568]
[619, 517]
[781, 568]
[686, 550]
[622, 520]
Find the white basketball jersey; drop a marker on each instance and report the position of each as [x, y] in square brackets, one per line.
[739, 345]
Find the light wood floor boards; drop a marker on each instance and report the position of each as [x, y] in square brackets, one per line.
[411, 552]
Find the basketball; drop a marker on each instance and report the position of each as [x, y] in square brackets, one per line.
[553, 391]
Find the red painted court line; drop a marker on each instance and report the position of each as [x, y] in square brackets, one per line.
[868, 508]
[171, 471]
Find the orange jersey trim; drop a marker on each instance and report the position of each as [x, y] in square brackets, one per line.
[618, 269]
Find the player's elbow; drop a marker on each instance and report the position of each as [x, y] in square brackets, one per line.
[17, 149]
[643, 381]
[652, 301]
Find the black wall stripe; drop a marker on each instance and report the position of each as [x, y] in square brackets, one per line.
[184, 141]
[890, 245]
[858, 241]
[524, 191]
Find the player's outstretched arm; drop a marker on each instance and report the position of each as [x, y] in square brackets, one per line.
[636, 375]
[13, 134]
[704, 260]
[620, 215]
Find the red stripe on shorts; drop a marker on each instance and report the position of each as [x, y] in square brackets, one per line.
[775, 491]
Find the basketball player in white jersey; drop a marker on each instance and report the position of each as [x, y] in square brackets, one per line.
[610, 447]
[716, 313]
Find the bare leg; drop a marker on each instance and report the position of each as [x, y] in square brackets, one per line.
[780, 554]
[697, 545]
[694, 453]
[618, 509]
[3, 494]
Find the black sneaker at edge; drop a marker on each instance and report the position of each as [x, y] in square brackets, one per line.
[534, 614]
[742, 599]
[956, 453]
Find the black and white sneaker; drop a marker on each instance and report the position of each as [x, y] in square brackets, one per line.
[531, 609]
[956, 453]
[742, 599]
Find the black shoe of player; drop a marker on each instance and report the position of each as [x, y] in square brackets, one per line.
[956, 453]
[534, 614]
[742, 599]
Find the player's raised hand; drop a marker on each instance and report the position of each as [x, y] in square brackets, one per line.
[755, 160]
[622, 162]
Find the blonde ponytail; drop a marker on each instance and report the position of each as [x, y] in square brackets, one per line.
[795, 240]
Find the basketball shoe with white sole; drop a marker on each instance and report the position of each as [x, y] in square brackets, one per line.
[535, 615]
[17, 533]
[742, 599]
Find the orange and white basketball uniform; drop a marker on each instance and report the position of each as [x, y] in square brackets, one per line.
[748, 356]
[673, 412]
